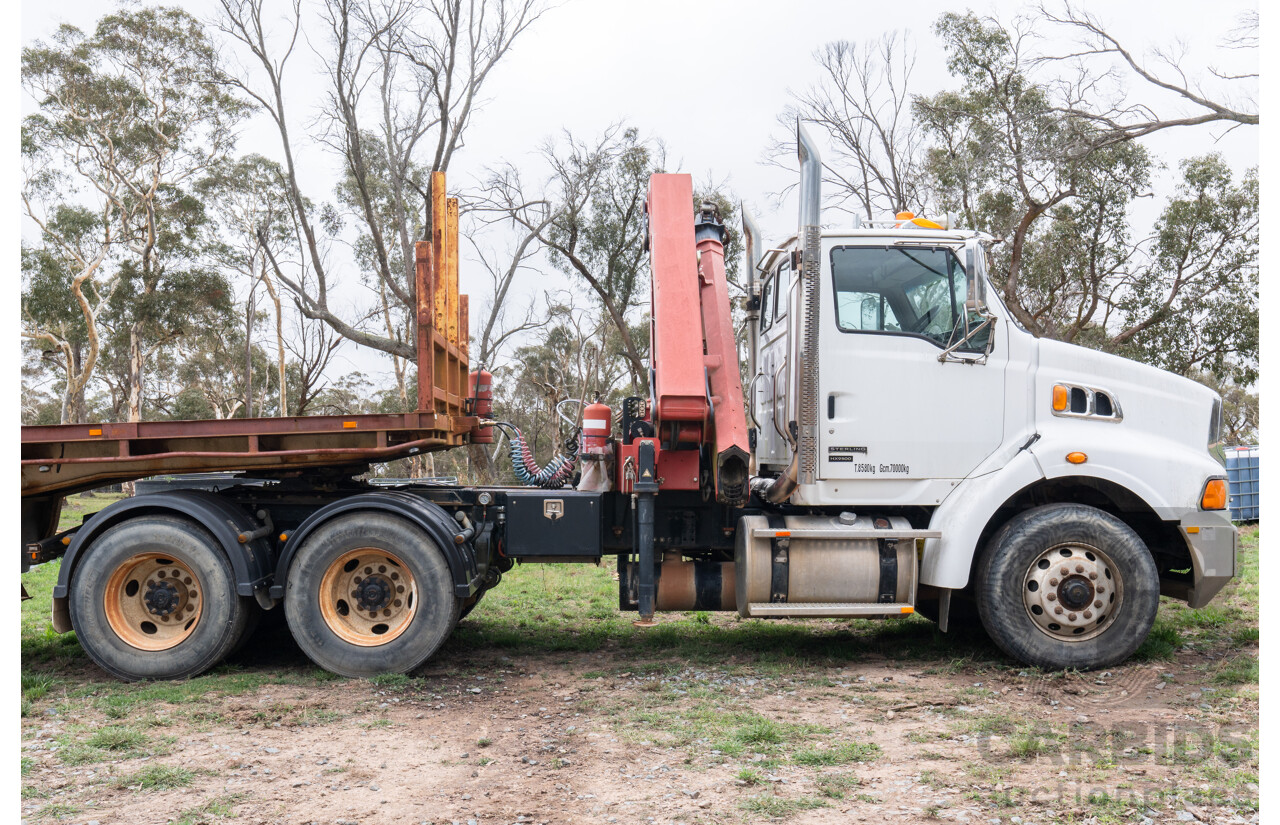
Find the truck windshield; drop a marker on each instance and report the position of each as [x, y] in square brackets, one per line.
[912, 290]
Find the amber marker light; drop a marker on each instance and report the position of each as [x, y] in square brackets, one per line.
[908, 609]
[1215, 495]
[1059, 398]
[348, 425]
[284, 537]
[1077, 458]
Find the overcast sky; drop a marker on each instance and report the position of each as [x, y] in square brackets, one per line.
[709, 79]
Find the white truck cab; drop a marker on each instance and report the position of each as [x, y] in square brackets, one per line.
[1067, 488]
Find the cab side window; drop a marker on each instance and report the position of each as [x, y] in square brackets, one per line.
[766, 302]
[783, 280]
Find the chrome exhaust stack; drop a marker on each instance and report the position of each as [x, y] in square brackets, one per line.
[751, 252]
[804, 382]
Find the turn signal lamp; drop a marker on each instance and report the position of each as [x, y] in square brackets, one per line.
[1215, 495]
[1077, 458]
[1060, 398]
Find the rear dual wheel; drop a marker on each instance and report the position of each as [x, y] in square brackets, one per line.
[155, 598]
[370, 593]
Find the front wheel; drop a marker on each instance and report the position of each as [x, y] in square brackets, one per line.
[1067, 586]
[370, 593]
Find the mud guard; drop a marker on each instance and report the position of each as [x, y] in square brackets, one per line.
[252, 563]
[428, 516]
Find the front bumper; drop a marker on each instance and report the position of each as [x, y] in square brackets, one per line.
[1214, 543]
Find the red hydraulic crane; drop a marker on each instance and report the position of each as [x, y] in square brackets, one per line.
[697, 396]
[696, 402]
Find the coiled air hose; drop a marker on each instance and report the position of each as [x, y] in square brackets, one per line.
[555, 474]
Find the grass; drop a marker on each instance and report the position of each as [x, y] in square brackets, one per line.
[113, 738]
[712, 726]
[836, 786]
[1230, 619]
[78, 747]
[210, 812]
[79, 507]
[58, 810]
[1240, 669]
[554, 608]
[1026, 744]
[390, 680]
[778, 807]
[840, 754]
[157, 778]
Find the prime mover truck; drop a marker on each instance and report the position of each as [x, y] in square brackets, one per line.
[902, 445]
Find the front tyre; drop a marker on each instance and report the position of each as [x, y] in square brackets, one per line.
[155, 598]
[370, 593]
[1067, 586]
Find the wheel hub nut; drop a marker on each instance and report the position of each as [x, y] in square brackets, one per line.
[161, 598]
[1075, 593]
[373, 593]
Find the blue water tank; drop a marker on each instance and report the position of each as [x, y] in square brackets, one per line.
[1242, 482]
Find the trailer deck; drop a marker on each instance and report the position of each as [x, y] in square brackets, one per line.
[65, 459]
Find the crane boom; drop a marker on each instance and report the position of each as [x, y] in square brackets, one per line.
[697, 393]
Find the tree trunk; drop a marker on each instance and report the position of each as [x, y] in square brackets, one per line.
[482, 464]
[248, 357]
[79, 408]
[135, 373]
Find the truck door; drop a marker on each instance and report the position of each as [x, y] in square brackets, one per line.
[769, 391]
[890, 408]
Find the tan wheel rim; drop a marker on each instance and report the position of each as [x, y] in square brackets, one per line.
[1073, 592]
[368, 597]
[153, 601]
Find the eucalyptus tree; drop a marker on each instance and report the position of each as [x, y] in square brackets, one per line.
[131, 116]
[64, 294]
[1194, 302]
[588, 215]
[403, 82]
[1116, 115]
[246, 198]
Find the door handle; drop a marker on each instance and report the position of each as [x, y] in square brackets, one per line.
[773, 404]
[831, 406]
